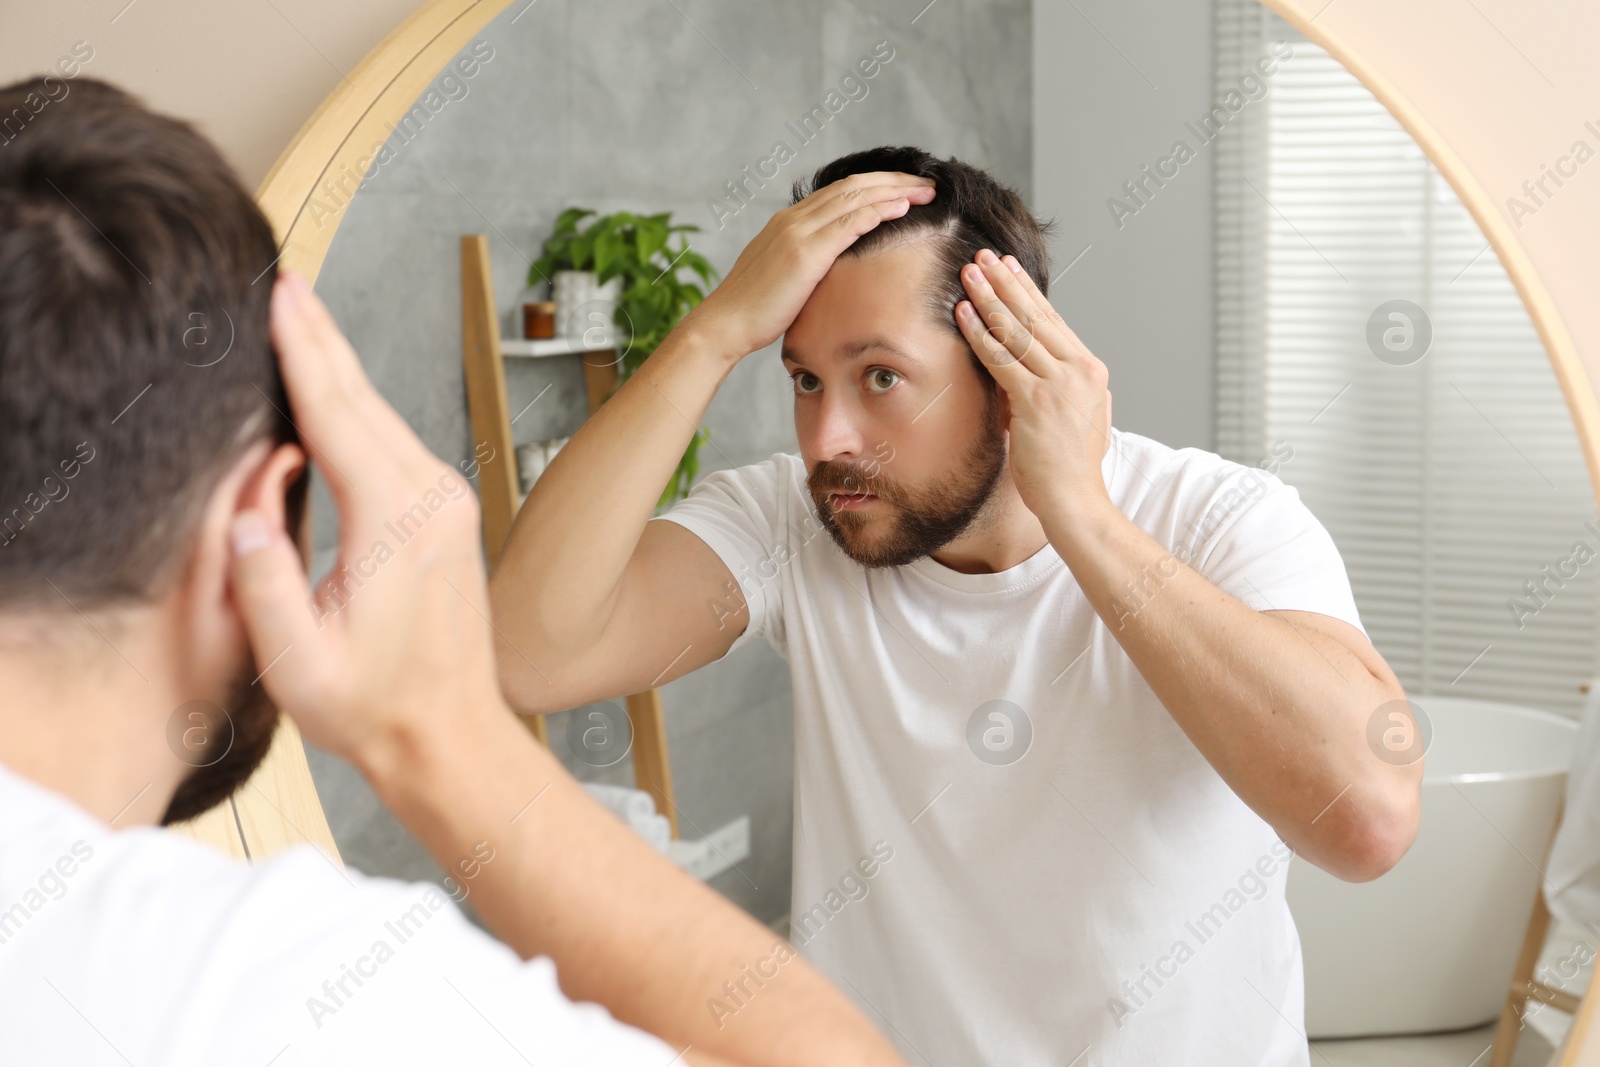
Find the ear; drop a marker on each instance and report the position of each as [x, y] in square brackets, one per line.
[260, 479]
[266, 486]
[205, 616]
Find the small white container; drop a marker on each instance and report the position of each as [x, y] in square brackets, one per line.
[571, 289]
[533, 458]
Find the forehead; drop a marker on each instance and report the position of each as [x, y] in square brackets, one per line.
[881, 294]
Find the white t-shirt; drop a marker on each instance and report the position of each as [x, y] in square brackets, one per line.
[1091, 894]
[141, 946]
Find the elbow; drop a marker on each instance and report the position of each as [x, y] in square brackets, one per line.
[1381, 836]
[1382, 825]
[535, 623]
[522, 684]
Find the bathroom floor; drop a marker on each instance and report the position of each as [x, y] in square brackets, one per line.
[1463, 1048]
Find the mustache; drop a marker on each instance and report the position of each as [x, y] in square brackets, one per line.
[830, 477]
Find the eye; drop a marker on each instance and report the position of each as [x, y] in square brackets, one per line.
[801, 376]
[876, 376]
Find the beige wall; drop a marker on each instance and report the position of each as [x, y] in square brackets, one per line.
[249, 72]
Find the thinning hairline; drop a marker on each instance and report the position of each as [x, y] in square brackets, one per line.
[924, 233]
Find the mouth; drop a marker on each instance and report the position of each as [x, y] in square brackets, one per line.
[849, 501]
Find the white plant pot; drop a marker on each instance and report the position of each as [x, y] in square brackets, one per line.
[597, 317]
[584, 308]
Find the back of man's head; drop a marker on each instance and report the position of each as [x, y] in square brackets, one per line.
[970, 210]
[135, 363]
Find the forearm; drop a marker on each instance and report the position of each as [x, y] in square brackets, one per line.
[626, 927]
[558, 573]
[1279, 710]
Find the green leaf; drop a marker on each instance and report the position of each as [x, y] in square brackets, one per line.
[701, 266]
[578, 256]
[636, 248]
[567, 221]
[650, 238]
[606, 247]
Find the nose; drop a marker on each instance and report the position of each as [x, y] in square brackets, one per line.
[836, 430]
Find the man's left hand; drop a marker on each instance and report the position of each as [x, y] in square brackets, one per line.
[1057, 406]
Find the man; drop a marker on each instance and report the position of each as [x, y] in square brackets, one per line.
[1079, 682]
[144, 426]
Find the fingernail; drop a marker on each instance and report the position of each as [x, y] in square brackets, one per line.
[986, 257]
[1011, 261]
[250, 533]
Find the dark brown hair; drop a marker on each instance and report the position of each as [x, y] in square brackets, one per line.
[970, 211]
[135, 362]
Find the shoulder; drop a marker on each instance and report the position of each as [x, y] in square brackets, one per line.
[1150, 473]
[779, 470]
[1192, 497]
[768, 489]
[174, 946]
[190, 893]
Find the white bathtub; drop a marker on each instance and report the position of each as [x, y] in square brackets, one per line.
[1430, 945]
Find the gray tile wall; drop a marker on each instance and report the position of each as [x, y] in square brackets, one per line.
[646, 106]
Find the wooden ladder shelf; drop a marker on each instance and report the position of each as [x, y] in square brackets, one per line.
[483, 357]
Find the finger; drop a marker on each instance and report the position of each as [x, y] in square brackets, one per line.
[371, 404]
[854, 190]
[852, 185]
[270, 588]
[1032, 312]
[843, 231]
[303, 319]
[340, 415]
[1053, 321]
[1002, 323]
[999, 360]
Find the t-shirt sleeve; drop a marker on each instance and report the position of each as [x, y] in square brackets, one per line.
[737, 513]
[1270, 552]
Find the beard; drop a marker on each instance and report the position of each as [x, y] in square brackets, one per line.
[243, 734]
[917, 520]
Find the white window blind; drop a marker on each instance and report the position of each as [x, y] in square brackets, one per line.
[1448, 483]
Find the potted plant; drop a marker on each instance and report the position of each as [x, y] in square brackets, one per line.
[637, 249]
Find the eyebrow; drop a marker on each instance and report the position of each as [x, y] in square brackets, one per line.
[856, 349]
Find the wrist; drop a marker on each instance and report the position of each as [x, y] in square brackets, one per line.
[407, 760]
[1075, 521]
[709, 335]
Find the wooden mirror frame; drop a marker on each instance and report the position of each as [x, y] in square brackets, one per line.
[307, 190]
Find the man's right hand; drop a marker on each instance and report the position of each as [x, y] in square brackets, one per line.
[775, 274]
[411, 648]
[401, 680]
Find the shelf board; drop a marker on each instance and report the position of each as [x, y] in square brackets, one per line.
[556, 346]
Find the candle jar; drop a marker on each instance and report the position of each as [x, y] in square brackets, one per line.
[538, 320]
